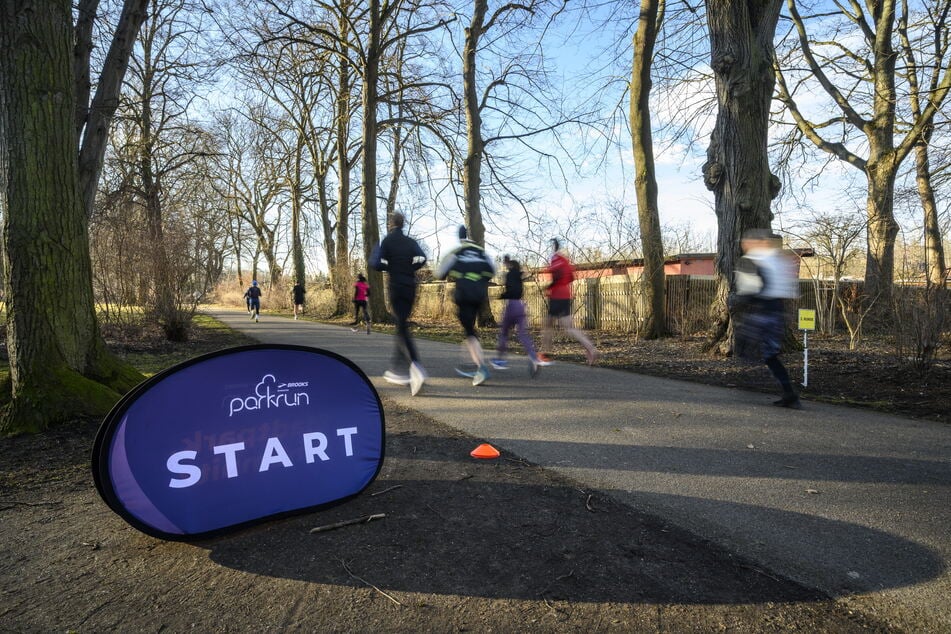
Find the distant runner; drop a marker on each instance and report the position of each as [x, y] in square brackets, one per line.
[361, 292]
[298, 292]
[254, 301]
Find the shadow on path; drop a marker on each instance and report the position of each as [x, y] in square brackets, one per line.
[505, 529]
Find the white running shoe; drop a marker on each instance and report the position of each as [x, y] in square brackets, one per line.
[393, 377]
[481, 375]
[417, 376]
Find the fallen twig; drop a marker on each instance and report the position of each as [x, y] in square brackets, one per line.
[362, 580]
[762, 572]
[359, 520]
[440, 515]
[386, 490]
[557, 580]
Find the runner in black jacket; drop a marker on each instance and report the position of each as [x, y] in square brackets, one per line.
[401, 257]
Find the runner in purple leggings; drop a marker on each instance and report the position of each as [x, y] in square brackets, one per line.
[515, 316]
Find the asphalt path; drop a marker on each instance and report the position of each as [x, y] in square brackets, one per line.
[851, 502]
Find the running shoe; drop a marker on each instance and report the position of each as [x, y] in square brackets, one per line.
[353, 330]
[417, 376]
[256, 319]
[544, 360]
[792, 402]
[500, 364]
[393, 377]
[533, 367]
[481, 375]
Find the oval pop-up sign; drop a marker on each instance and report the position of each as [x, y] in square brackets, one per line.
[239, 436]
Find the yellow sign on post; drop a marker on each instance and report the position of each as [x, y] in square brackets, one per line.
[807, 319]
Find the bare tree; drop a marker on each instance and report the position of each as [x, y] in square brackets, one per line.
[93, 118]
[835, 239]
[373, 31]
[253, 181]
[861, 83]
[161, 146]
[937, 42]
[297, 78]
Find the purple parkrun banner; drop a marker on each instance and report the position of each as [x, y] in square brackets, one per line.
[239, 436]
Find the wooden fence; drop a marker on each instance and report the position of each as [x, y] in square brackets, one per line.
[607, 303]
[615, 302]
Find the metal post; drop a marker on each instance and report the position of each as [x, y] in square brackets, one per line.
[805, 358]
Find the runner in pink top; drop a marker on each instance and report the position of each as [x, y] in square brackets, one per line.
[361, 290]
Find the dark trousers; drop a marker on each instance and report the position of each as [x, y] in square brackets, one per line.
[401, 303]
[358, 306]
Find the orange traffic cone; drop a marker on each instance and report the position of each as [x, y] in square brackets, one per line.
[485, 451]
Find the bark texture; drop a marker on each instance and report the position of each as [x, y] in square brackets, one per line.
[648, 213]
[737, 167]
[59, 367]
[371, 224]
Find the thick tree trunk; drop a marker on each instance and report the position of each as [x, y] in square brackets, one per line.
[737, 167]
[297, 244]
[934, 248]
[475, 146]
[371, 224]
[59, 368]
[882, 231]
[645, 181]
[340, 271]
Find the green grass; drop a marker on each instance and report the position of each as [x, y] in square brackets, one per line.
[208, 335]
[150, 353]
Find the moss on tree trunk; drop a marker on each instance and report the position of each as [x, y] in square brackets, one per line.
[59, 367]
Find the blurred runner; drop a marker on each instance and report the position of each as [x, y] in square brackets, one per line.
[401, 257]
[514, 315]
[471, 269]
[559, 307]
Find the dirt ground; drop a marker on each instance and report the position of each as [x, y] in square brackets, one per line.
[871, 376]
[465, 546]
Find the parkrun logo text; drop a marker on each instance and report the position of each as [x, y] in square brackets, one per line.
[270, 394]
